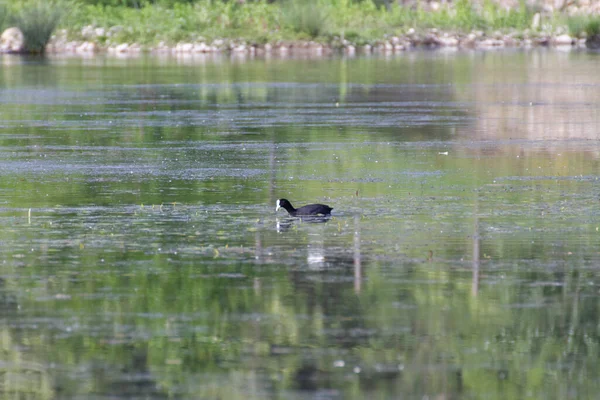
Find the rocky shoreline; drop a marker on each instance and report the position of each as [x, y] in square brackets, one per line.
[432, 39]
[12, 42]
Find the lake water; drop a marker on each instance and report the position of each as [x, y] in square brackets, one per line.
[141, 255]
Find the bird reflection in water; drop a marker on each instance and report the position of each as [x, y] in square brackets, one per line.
[284, 224]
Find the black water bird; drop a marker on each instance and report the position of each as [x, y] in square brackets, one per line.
[311, 210]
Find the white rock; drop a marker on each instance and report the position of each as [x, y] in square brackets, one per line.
[70, 47]
[184, 47]
[448, 41]
[200, 48]
[535, 23]
[88, 32]
[122, 48]
[12, 41]
[563, 40]
[86, 48]
[491, 43]
[317, 49]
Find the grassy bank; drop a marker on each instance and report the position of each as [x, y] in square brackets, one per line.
[360, 22]
[258, 22]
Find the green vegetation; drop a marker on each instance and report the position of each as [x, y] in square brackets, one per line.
[3, 15]
[592, 28]
[260, 21]
[580, 25]
[149, 22]
[304, 17]
[38, 20]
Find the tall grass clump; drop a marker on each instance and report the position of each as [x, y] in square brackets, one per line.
[495, 17]
[583, 25]
[592, 28]
[3, 16]
[465, 17]
[304, 17]
[576, 25]
[38, 20]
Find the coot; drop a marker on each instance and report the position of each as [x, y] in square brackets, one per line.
[304, 211]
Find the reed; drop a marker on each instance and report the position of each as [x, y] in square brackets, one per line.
[304, 17]
[38, 20]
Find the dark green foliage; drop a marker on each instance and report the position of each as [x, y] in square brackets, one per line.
[38, 20]
[304, 16]
[592, 28]
[577, 24]
[580, 25]
[4, 16]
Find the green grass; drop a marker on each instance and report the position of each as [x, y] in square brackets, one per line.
[304, 17]
[182, 22]
[592, 28]
[498, 18]
[261, 21]
[3, 16]
[576, 25]
[580, 25]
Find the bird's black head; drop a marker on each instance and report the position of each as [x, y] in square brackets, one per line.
[283, 203]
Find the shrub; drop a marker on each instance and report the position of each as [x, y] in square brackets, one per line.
[304, 16]
[592, 28]
[3, 16]
[580, 24]
[38, 20]
[465, 16]
[576, 25]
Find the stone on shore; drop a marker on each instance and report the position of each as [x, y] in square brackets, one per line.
[563, 40]
[593, 42]
[12, 41]
[447, 41]
[86, 48]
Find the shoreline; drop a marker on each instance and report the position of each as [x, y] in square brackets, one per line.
[432, 40]
[299, 26]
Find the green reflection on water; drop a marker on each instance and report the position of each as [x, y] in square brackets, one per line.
[460, 261]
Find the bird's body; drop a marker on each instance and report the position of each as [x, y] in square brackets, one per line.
[313, 210]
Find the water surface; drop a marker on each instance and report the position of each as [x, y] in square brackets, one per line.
[141, 255]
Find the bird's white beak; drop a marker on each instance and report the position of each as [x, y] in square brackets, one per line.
[277, 206]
